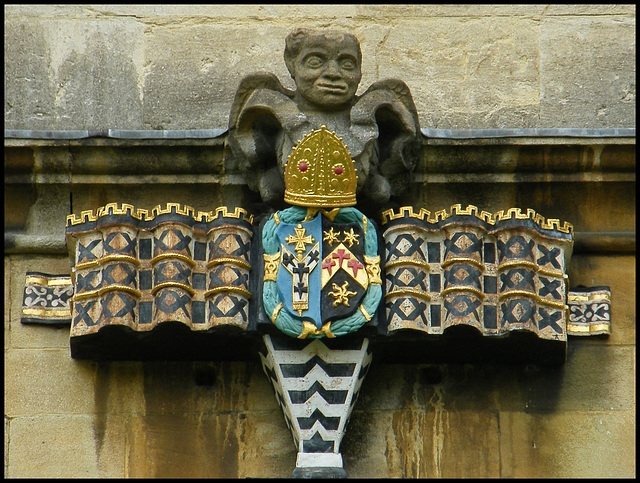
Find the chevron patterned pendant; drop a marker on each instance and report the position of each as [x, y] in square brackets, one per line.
[317, 384]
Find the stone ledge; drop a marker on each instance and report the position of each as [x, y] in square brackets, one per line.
[27, 137]
[135, 153]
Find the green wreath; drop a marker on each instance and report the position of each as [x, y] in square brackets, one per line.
[293, 326]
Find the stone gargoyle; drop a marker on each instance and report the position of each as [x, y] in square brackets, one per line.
[380, 128]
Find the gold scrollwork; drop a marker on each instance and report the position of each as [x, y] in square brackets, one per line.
[310, 329]
[372, 265]
[271, 266]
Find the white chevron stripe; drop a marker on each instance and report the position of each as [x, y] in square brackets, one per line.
[317, 401]
[332, 410]
[327, 435]
[330, 357]
[318, 348]
[332, 434]
[286, 408]
[350, 384]
[329, 383]
[266, 361]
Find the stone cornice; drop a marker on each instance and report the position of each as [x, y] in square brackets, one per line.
[622, 135]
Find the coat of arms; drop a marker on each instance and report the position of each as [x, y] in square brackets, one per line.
[322, 273]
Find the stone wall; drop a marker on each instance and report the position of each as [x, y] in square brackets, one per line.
[177, 67]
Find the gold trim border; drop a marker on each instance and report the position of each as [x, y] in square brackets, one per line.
[407, 261]
[366, 314]
[110, 288]
[47, 312]
[472, 261]
[276, 312]
[577, 298]
[535, 297]
[402, 292]
[163, 285]
[55, 282]
[589, 328]
[228, 288]
[146, 215]
[179, 256]
[106, 259]
[233, 261]
[453, 289]
[492, 219]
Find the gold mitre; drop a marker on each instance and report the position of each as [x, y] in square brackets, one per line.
[320, 172]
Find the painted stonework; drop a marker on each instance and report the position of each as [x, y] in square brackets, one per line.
[317, 289]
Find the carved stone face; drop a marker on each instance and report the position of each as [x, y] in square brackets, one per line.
[327, 71]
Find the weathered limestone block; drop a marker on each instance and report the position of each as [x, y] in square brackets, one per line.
[72, 84]
[211, 58]
[587, 72]
[459, 82]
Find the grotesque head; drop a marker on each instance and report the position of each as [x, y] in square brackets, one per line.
[325, 65]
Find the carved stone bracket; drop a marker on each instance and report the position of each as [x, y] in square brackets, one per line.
[317, 383]
[497, 273]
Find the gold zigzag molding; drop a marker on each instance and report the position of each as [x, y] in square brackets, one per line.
[492, 219]
[144, 215]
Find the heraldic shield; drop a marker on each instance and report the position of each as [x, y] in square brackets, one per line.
[322, 275]
[320, 272]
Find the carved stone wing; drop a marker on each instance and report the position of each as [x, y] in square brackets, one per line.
[401, 90]
[251, 82]
[387, 108]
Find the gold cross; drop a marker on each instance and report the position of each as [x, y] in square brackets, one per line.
[300, 240]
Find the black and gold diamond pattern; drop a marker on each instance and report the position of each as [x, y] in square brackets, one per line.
[462, 305]
[515, 248]
[89, 249]
[229, 244]
[172, 240]
[121, 243]
[462, 275]
[406, 277]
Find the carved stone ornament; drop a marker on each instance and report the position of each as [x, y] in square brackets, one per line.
[318, 289]
[380, 128]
